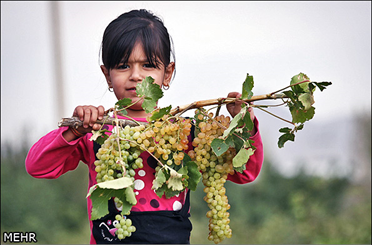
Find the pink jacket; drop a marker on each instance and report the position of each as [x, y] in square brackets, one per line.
[52, 156]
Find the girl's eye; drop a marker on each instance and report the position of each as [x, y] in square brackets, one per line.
[149, 65]
[122, 66]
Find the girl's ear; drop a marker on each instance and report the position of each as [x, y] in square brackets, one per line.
[168, 74]
[107, 75]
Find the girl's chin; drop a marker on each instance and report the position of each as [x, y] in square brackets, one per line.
[136, 107]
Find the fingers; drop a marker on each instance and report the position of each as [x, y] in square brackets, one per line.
[89, 115]
[234, 95]
[234, 108]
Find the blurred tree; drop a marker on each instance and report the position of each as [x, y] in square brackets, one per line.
[54, 209]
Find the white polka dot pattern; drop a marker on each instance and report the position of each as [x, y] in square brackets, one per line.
[139, 184]
[177, 206]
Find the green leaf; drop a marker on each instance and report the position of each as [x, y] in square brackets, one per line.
[248, 121]
[219, 146]
[150, 92]
[285, 130]
[160, 113]
[303, 87]
[130, 196]
[99, 136]
[322, 85]
[289, 94]
[284, 138]
[175, 182]
[183, 170]
[193, 172]
[230, 141]
[100, 197]
[159, 180]
[238, 142]
[116, 184]
[100, 193]
[242, 157]
[99, 204]
[235, 122]
[247, 87]
[161, 190]
[126, 207]
[307, 100]
[169, 193]
[301, 116]
[123, 102]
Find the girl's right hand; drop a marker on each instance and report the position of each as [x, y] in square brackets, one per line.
[89, 115]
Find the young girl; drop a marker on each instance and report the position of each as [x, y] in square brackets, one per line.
[135, 45]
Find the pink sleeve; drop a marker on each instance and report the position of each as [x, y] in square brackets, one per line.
[254, 164]
[52, 155]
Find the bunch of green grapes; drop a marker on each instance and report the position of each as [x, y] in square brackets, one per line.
[166, 139]
[119, 156]
[214, 173]
[124, 227]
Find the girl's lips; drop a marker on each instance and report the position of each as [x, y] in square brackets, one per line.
[132, 90]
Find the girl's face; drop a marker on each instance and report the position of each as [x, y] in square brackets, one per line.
[124, 78]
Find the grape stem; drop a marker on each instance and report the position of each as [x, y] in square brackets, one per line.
[304, 81]
[275, 115]
[118, 141]
[220, 101]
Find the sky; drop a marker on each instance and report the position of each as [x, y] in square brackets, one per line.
[216, 44]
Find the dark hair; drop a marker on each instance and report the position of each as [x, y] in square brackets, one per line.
[121, 35]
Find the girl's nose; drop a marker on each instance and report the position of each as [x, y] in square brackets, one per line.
[136, 75]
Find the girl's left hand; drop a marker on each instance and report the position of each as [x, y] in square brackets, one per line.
[234, 108]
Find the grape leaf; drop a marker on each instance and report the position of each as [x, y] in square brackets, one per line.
[175, 179]
[322, 85]
[161, 190]
[301, 116]
[307, 100]
[100, 197]
[303, 87]
[160, 113]
[164, 190]
[159, 180]
[99, 136]
[95, 135]
[193, 172]
[123, 103]
[242, 157]
[219, 146]
[235, 122]
[248, 121]
[285, 130]
[130, 196]
[119, 183]
[100, 193]
[150, 92]
[126, 207]
[175, 184]
[247, 87]
[284, 138]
